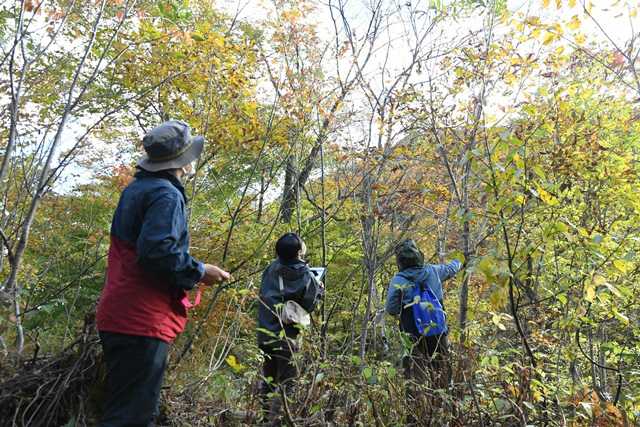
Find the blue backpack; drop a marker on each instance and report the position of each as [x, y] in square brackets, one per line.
[428, 312]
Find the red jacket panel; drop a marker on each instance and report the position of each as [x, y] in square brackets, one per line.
[135, 302]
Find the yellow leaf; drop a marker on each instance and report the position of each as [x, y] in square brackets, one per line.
[598, 280]
[231, 360]
[559, 50]
[497, 299]
[633, 13]
[548, 38]
[545, 3]
[581, 39]
[575, 23]
[620, 265]
[536, 32]
[590, 292]
[546, 197]
[572, 3]
[590, 6]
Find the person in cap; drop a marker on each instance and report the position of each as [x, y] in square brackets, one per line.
[300, 285]
[429, 357]
[149, 272]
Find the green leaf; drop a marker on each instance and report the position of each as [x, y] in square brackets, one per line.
[197, 37]
[391, 373]
[624, 319]
[539, 172]
[561, 226]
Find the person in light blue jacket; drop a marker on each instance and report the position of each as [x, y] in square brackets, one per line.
[430, 355]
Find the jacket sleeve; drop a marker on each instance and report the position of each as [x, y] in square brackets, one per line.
[312, 293]
[395, 296]
[163, 243]
[447, 271]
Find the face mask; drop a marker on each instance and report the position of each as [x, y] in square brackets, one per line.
[188, 171]
[303, 250]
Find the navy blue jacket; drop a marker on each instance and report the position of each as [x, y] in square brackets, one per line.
[149, 268]
[300, 285]
[152, 214]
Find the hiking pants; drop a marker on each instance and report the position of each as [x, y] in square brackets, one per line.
[429, 360]
[279, 367]
[136, 369]
[427, 365]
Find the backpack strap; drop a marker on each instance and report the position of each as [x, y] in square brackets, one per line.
[422, 285]
[281, 287]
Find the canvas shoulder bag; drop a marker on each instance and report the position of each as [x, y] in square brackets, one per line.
[291, 312]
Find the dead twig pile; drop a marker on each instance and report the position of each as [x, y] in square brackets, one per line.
[53, 390]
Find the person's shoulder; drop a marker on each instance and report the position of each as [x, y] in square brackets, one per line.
[161, 188]
[298, 264]
[400, 278]
[274, 263]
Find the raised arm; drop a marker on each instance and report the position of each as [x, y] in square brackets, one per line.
[447, 271]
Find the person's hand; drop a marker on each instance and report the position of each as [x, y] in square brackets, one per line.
[468, 256]
[214, 275]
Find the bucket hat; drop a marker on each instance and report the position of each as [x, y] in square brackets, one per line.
[408, 255]
[170, 146]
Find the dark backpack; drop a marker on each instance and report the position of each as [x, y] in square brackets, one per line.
[428, 312]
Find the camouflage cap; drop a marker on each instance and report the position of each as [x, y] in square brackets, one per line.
[408, 255]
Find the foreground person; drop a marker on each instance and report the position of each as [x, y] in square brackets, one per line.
[149, 273]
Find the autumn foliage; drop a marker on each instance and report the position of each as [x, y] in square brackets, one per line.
[508, 138]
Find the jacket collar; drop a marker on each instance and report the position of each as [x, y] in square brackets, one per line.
[164, 174]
